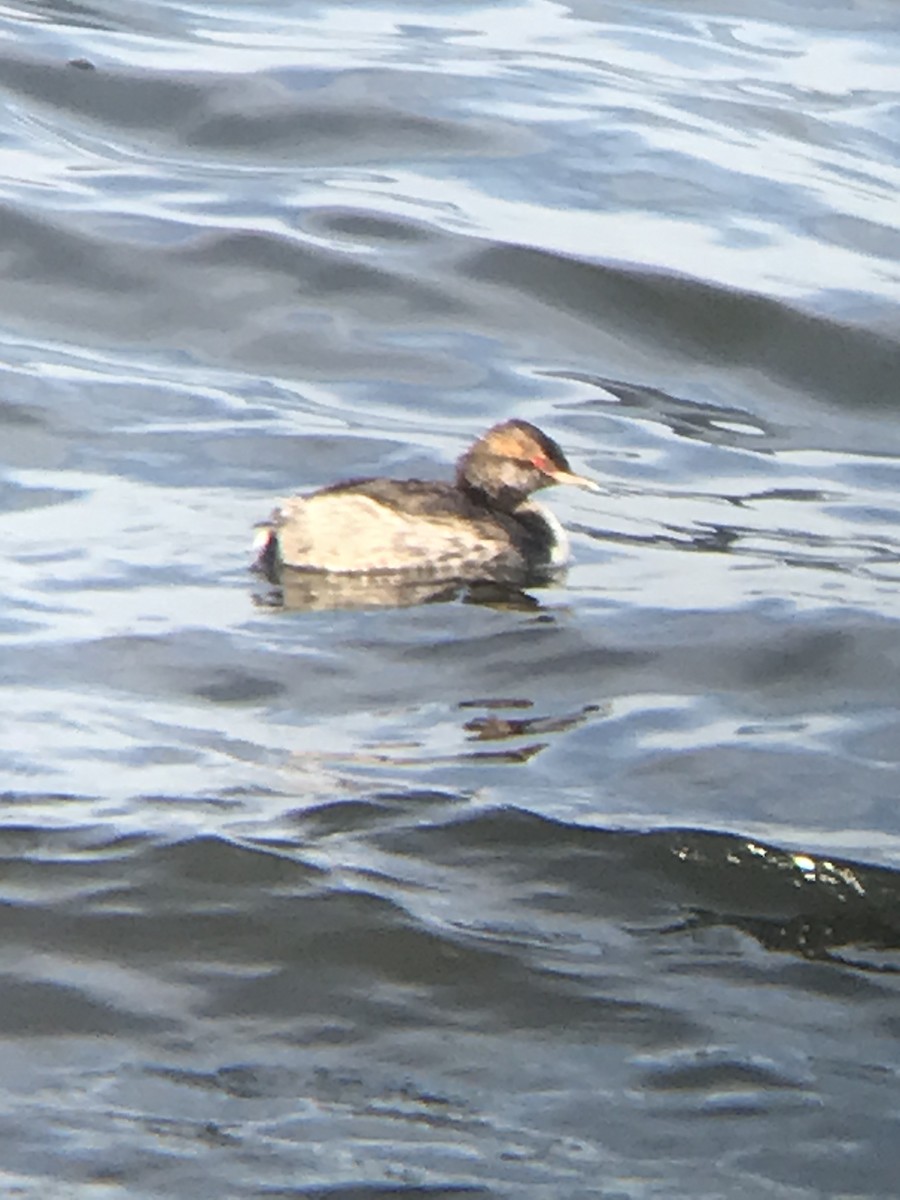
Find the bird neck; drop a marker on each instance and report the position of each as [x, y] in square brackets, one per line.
[493, 493]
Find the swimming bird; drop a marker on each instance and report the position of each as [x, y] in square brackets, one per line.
[482, 526]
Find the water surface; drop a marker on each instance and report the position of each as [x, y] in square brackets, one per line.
[588, 892]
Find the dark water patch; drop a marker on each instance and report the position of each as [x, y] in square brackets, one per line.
[716, 424]
[65, 274]
[244, 1082]
[110, 96]
[541, 647]
[234, 687]
[328, 275]
[720, 878]
[48, 256]
[791, 901]
[715, 1073]
[61, 864]
[13, 799]
[668, 715]
[202, 864]
[776, 652]
[158, 665]
[18, 499]
[39, 1009]
[99, 15]
[312, 118]
[836, 363]
[866, 237]
[336, 994]
[18, 414]
[387, 1191]
[377, 810]
[767, 783]
[359, 227]
[354, 117]
[419, 979]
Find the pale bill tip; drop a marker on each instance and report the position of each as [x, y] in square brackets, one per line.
[580, 481]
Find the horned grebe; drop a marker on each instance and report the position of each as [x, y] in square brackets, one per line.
[482, 527]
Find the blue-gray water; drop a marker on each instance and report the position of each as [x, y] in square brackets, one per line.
[591, 893]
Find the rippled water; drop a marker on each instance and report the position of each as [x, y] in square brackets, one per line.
[586, 892]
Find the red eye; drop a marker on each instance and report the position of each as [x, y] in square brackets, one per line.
[541, 461]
